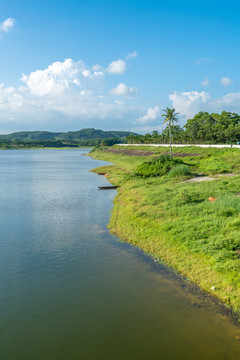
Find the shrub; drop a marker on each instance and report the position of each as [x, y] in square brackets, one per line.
[179, 171]
[157, 167]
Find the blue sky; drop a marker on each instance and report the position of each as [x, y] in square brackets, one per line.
[66, 65]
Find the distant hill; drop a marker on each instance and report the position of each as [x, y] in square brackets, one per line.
[84, 134]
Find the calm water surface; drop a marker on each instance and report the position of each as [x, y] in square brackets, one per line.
[69, 290]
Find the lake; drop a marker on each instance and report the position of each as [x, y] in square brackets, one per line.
[69, 290]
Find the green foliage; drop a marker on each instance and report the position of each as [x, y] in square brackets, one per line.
[9, 144]
[28, 144]
[180, 171]
[215, 128]
[204, 128]
[156, 167]
[100, 142]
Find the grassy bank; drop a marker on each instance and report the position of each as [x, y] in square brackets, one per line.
[174, 221]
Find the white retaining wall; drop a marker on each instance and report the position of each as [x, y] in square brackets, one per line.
[177, 145]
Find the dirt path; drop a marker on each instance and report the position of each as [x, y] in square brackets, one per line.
[131, 152]
[209, 178]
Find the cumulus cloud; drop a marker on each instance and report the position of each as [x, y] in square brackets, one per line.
[190, 103]
[123, 90]
[70, 92]
[226, 81]
[131, 55]
[7, 24]
[205, 82]
[229, 102]
[93, 74]
[23, 106]
[117, 67]
[65, 91]
[56, 78]
[151, 115]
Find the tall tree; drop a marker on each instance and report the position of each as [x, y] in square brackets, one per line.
[170, 118]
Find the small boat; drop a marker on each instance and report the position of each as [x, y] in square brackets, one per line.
[107, 187]
[101, 173]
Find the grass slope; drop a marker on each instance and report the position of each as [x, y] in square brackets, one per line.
[174, 221]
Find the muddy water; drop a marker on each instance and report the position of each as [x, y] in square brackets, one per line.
[70, 290]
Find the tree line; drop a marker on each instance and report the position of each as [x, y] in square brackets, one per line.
[16, 144]
[204, 128]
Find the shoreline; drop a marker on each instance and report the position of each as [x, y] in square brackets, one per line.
[149, 236]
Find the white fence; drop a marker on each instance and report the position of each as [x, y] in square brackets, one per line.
[177, 145]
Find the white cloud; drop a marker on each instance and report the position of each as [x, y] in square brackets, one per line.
[131, 55]
[151, 115]
[230, 102]
[189, 103]
[86, 73]
[86, 92]
[117, 67]
[205, 82]
[7, 24]
[97, 67]
[69, 92]
[65, 92]
[55, 79]
[226, 81]
[25, 107]
[93, 74]
[123, 90]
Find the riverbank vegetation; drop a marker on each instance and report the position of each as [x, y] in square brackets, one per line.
[39, 144]
[171, 217]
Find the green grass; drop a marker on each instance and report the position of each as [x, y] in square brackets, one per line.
[209, 160]
[174, 220]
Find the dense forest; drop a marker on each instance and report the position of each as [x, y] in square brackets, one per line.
[204, 128]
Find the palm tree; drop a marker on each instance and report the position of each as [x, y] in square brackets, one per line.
[170, 117]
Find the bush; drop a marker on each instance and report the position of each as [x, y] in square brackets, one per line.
[179, 171]
[157, 167]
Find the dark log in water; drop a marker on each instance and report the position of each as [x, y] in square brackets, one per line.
[107, 187]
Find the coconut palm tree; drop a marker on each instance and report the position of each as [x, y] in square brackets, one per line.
[170, 117]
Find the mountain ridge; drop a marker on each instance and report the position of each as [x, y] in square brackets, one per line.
[83, 134]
